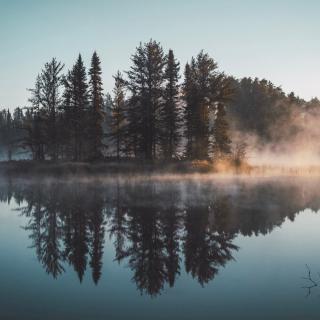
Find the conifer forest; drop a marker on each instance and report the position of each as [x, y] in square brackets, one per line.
[157, 110]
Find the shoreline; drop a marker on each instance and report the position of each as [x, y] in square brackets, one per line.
[148, 170]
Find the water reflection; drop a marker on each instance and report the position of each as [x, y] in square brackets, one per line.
[156, 228]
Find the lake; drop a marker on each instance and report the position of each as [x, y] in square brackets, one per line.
[220, 248]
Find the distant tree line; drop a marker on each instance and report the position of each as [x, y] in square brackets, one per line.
[11, 134]
[150, 115]
[260, 108]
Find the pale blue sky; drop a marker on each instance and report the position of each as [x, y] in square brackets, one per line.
[275, 39]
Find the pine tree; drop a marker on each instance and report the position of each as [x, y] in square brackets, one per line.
[221, 140]
[50, 99]
[66, 125]
[34, 124]
[146, 78]
[96, 108]
[170, 113]
[189, 94]
[46, 100]
[205, 77]
[204, 87]
[118, 113]
[79, 121]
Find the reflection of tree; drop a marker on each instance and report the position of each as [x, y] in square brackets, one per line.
[118, 225]
[65, 226]
[77, 246]
[45, 227]
[51, 254]
[146, 249]
[171, 223]
[151, 224]
[96, 234]
[206, 250]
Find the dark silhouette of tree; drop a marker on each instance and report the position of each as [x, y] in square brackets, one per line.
[190, 97]
[51, 255]
[77, 109]
[95, 129]
[206, 250]
[146, 249]
[170, 112]
[118, 114]
[79, 240]
[221, 140]
[51, 80]
[204, 87]
[45, 226]
[34, 124]
[75, 208]
[145, 83]
[171, 222]
[96, 233]
[46, 100]
[146, 253]
[118, 229]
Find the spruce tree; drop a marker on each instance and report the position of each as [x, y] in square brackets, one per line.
[146, 78]
[204, 87]
[96, 108]
[50, 98]
[80, 121]
[170, 113]
[133, 129]
[66, 125]
[206, 75]
[46, 99]
[118, 113]
[190, 111]
[35, 138]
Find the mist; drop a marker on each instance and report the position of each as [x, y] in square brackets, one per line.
[279, 130]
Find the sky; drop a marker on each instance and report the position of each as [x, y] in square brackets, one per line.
[276, 39]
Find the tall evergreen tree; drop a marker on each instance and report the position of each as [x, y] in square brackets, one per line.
[79, 119]
[46, 99]
[66, 124]
[96, 108]
[221, 140]
[118, 113]
[146, 78]
[190, 96]
[34, 124]
[50, 98]
[171, 115]
[204, 88]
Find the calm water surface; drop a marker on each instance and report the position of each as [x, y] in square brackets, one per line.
[186, 249]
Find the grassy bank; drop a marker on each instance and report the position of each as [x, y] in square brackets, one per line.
[27, 168]
[65, 169]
